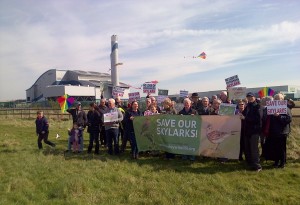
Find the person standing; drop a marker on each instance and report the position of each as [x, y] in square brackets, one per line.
[278, 129]
[112, 128]
[102, 109]
[129, 129]
[251, 116]
[205, 109]
[169, 110]
[196, 102]
[42, 130]
[78, 116]
[188, 110]
[94, 124]
[239, 111]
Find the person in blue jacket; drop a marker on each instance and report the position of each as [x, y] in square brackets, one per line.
[42, 130]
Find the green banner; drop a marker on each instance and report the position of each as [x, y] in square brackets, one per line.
[214, 136]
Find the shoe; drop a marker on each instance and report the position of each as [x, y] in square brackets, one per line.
[258, 169]
[281, 166]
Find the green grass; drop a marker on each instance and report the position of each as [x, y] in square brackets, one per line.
[30, 176]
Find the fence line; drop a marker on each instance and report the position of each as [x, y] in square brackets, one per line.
[29, 113]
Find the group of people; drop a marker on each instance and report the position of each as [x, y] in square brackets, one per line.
[256, 126]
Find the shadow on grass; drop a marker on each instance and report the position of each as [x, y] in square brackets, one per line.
[159, 162]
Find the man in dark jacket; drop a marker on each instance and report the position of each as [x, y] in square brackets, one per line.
[78, 116]
[42, 129]
[251, 116]
[94, 124]
[102, 109]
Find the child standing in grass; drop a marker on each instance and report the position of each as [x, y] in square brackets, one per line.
[42, 129]
[75, 137]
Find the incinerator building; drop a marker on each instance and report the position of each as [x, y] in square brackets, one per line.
[82, 85]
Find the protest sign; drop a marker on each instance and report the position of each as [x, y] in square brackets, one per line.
[232, 81]
[111, 117]
[149, 88]
[134, 96]
[118, 91]
[161, 98]
[213, 136]
[227, 109]
[236, 93]
[183, 93]
[276, 106]
[162, 92]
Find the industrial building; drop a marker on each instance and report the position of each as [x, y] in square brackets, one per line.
[82, 85]
[290, 91]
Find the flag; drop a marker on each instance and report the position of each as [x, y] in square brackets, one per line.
[202, 55]
[266, 92]
[65, 102]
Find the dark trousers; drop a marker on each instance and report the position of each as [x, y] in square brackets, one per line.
[134, 148]
[112, 136]
[94, 137]
[45, 138]
[279, 149]
[126, 138]
[102, 136]
[242, 147]
[252, 151]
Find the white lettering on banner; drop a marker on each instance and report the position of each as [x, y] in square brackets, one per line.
[176, 132]
[174, 128]
[276, 106]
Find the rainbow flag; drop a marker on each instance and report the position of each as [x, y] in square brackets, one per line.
[202, 55]
[266, 92]
[65, 102]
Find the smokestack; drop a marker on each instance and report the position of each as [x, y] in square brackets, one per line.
[114, 60]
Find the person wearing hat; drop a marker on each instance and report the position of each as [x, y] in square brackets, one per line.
[196, 103]
[79, 117]
[252, 122]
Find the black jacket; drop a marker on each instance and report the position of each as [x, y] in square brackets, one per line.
[94, 121]
[280, 125]
[252, 119]
[42, 125]
[189, 112]
[128, 122]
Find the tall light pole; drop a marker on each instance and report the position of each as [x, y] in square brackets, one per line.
[114, 60]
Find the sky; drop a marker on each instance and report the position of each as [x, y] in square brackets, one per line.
[257, 40]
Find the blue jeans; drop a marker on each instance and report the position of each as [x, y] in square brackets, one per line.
[70, 143]
[112, 136]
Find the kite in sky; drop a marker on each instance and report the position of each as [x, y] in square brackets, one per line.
[202, 55]
[266, 92]
[65, 102]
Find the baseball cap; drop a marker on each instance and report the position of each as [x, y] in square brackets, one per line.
[250, 94]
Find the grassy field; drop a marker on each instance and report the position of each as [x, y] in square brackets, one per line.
[30, 176]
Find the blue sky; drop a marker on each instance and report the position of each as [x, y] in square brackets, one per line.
[257, 40]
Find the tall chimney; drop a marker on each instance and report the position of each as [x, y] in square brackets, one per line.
[114, 60]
